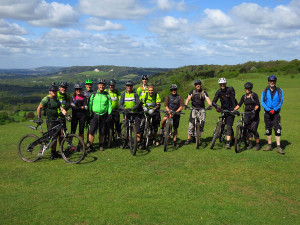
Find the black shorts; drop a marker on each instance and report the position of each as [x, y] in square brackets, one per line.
[252, 127]
[229, 123]
[272, 121]
[176, 120]
[155, 120]
[98, 122]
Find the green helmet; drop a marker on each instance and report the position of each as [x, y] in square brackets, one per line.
[88, 81]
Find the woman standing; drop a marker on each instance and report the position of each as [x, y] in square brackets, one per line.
[79, 107]
[252, 105]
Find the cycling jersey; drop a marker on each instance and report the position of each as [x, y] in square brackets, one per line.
[227, 98]
[115, 96]
[272, 100]
[173, 102]
[198, 98]
[87, 94]
[150, 101]
[100, 103]
[65, 102]
[129, 101]
[52, 107]
[141, 91]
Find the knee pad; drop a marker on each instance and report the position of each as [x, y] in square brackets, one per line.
[278, 132]
[268, 132]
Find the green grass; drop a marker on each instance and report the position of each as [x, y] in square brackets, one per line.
[181, 186]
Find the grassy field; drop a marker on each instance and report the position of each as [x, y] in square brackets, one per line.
[181, 186]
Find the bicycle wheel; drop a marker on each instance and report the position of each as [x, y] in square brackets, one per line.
[110, 137]
[72, 149]
[167, 136]
[132, 139]
[147, 134]
[197, 134]
[124, 136]
[29, 148]
[216, 134]
[238, 138]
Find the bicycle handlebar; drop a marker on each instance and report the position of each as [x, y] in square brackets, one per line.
[171, 111]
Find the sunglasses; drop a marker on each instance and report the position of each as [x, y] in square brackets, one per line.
[173, 89]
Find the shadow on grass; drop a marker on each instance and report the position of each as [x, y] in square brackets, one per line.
[88, 159]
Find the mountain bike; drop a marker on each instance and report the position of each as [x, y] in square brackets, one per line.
[198, 123]
[167, 133]
[31, 147]
[111, 135]
[220, 129]
[242, 133]
[129, 133]
[147, 129]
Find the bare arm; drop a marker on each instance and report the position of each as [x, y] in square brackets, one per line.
[188, 99]
[38, 110]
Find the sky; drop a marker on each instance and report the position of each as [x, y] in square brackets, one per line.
[147, 33]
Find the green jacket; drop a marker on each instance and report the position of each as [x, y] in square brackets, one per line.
[100, 103]
[64, 100]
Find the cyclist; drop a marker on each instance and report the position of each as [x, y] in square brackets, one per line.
[51, 106]
[129, 102]
[100, 109]
[228, 102]
[175, 103]
[198, 96]
[89, 89]
[151, 104]
[271, 101]
[79, 107]
[141, 91]
[115, 96]
[251, 102]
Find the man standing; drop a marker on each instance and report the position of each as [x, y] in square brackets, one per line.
[52, 106]
[100, 109]
[115, 96]
[89, 89]
[141, 91]
[198, 96]
[227, 98]
[271, 101]
[151, 103]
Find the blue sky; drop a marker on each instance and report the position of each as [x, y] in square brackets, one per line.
[146, 33]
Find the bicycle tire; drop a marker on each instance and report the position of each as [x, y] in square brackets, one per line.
[167, 136]
[198, 136]
[110, 137]
[147, 134]
[132, 140]
[72, 149]
[216, 134]
[238, 139]
[123, 138]
[26, 154]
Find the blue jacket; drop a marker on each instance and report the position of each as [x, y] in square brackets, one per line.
[272, 103]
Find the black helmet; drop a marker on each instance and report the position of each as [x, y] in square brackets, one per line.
[101, 81]
[145, 77]
[129, 83]
[77, 86]
[173, 86]
[63, 84]
[272, 78]
[53, 87]
[248, 85]
[112, 82]
[196, 82]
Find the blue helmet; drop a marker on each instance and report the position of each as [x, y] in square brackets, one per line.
[272, 78]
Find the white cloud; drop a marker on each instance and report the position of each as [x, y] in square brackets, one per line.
[102, 25]
[114, 9]
[169, 4]
[39, 12]
[11, 28]
[167, 24]
[216, 18]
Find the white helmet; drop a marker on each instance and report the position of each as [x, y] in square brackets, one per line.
[222, 80]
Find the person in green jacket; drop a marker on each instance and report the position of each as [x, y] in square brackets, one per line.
[130, 102]
[100, 108]
[142, 90]
[151, 104]
[115, 96]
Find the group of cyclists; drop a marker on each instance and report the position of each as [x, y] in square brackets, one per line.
[98, 108]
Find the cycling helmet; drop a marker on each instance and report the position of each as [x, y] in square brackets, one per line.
[88, 81]
[196, 82]
[112, 82]
[248, 85]
[63, 84]
[145, 77]
[53, 87]
[272, 78]
[77, 86]
[129, 83]
[173, 86]
[222, 80]
[101, 81]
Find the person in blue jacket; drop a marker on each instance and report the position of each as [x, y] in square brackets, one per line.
[271, 101]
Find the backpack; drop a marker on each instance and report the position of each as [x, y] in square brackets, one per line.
[45, 107]
[265, 94]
